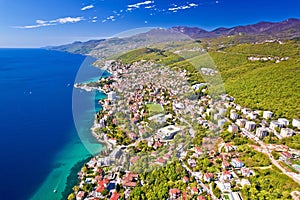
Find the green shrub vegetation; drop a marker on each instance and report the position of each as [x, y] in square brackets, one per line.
[269, 184]
[158, 182]
[253, 158]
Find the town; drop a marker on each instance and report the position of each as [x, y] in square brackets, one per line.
[153, 118]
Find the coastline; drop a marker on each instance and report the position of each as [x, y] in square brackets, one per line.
[73, 177]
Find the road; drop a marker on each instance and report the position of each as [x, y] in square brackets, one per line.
[205, 188]
[267, 151]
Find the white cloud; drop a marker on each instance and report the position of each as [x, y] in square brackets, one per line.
[87, 7]
[137, 5]
[149, 7]
[41, 23]
[175, 8]
[68, 20]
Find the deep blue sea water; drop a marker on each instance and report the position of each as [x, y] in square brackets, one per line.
[40, 142]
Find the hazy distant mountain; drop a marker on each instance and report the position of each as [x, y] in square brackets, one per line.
[286, 29]
[77, 47]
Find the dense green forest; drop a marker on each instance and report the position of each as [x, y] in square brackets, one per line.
[269, 184]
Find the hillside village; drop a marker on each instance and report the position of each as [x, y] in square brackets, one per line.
[152, 119]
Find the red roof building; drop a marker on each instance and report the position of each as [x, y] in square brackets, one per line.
[115, 196]
[130, 179]
[174, 193]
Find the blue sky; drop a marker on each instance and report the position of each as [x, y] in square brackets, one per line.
[33, 23]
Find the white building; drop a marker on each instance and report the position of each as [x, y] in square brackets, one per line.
[217, 116]
[252, 115]
[221, 122]
[233, 128]
[234, 115]
[222, 111]
[267, 114]
[296, 123]
[286, 132]
[168, 132]
[275, 124]
[112, 96]
[250, 125]
[284, 122]
[241, 122]
[261, 132]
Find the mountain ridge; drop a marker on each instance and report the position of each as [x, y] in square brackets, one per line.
[286, 29]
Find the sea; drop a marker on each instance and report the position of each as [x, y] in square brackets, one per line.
[45, 122]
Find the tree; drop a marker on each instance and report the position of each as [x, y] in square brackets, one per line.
[75, 189]
[105, 192]
[71, 196]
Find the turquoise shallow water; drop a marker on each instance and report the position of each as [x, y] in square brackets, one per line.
[83, 145]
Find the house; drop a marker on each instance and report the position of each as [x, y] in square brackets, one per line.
[198, 150]
[235, 196]
[132, 136]
[112, 141]
[224, 187]
[226, 175]
[236, 163]
[246, 172]
[217, 116]
[167, 156]
[174, 193]
[283, 121]
[286, 132]
[185, 179]
[261, 132]
[275, 124]
[157, 144]
[222, 111]
[267, 114]
[102, 185]
[130, 179]
[246, 111]
[192, 162]
[208, 177]
[201, 198]
[241, 122]
[194, 191]
[134, 159]
[229, 147]
[115, 196]
[296, 123]
[161, 161]
[112, 96]
[80, 195]
[286, 155]
[250, 125]
[234, 116]
[252, 115]
[221, 122]
[232, 128]
[225, 165]
[238, 107]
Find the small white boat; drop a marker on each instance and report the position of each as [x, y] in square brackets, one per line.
[54, 190]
